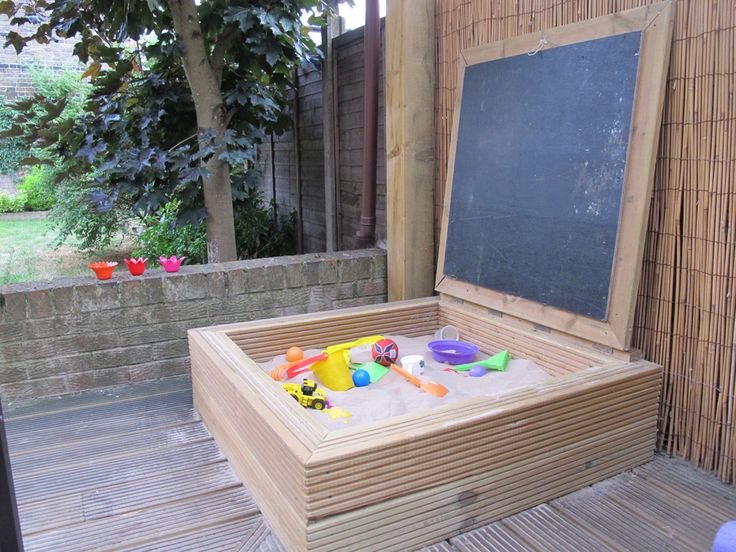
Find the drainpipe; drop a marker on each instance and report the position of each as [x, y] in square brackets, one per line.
[371, 45]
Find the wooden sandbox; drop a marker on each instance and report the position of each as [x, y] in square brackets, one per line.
[572, 239]
[416, 479]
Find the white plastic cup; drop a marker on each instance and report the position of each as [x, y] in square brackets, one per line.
[414, 364]
[447, 333]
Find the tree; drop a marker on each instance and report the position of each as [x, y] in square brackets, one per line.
[182, 94]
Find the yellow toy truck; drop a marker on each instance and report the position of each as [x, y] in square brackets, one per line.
[307, 394]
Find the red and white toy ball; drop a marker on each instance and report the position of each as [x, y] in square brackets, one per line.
[385, 351]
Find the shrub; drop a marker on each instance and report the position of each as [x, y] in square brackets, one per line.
[11, 204]
[162, 236]
[256, 232]
[12, 150]
[75, 216]
[38, 187]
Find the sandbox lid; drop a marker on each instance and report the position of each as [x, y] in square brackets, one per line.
[550, 173]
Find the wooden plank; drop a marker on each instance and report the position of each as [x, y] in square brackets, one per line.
[60, 482]
[334, 316]
[256, 475]
[10, 536]
[100, 429]
[410, 91]
[223, 537]
[543, 527]
[329, 120]
[423, 517]
[114, 447]
[496, 537]
[631, 532]
[108, 395]
[471, 413]
[69, 418]
[261, 540]
[148, 525]
[439, 470]
[150, 489]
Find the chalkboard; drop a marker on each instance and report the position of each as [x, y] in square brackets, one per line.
[539, 172]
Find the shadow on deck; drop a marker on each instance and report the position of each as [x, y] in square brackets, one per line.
[133, 468]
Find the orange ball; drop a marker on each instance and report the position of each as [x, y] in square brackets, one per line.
[294, 354]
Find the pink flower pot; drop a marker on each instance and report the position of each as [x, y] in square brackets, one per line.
[136, 266]
[171, 264]
[103, 269]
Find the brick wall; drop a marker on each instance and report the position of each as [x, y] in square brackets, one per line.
[15, 81]
[349, 120]
[69, 335]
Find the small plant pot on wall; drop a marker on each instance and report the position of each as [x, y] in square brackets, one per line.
[172, 263]
[136, 266]
[103, 270]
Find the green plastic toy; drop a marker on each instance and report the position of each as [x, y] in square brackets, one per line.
[375, 371]
[496, 362]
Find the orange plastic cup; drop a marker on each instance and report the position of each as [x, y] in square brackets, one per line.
[103, 270]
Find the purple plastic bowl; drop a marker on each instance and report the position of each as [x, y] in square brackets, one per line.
[452, 352]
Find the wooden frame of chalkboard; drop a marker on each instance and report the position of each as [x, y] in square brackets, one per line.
[654, 23]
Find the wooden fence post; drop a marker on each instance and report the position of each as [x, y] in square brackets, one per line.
[410, 152]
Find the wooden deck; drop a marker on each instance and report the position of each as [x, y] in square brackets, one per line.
[134, 469]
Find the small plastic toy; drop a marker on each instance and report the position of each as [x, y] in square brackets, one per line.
[172, 263]
[330, 366]
[294, 354]
[431, 387]
[375, 371]
[452, 352]
[496, 362]
[447, 333]
[361, 378]
[103, 270]
[385, 351]
[477, 371]
[414, 364]
[307, 394]
[136, 266]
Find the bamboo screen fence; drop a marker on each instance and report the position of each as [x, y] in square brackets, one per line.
[687, 298]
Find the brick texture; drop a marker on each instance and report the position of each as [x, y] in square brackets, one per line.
[68, 335]
[15, 81]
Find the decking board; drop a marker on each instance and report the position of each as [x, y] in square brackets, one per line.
[112, 486]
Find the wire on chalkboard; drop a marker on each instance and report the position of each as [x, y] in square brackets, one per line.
[540, 46]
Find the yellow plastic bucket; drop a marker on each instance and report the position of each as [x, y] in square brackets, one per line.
[333, 372]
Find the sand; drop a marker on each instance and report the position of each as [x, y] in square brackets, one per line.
[394, 396]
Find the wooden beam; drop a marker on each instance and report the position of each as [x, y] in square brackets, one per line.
[329, 130]
[10, 539]
[410, 165]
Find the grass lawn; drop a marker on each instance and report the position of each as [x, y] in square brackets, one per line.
[26, 253]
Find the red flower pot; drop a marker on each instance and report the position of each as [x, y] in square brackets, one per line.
[136, 266]
[103, 269]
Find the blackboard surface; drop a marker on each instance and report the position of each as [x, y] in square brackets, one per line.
[539, 172]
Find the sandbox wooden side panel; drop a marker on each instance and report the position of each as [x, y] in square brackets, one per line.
[264, 339]
[265, 458]
[355, 469]
[526, 469]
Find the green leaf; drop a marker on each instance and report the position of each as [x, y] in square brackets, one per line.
[7, 8]
[15, 40]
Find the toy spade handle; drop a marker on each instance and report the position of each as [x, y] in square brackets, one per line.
[294, 369]
[407, 375]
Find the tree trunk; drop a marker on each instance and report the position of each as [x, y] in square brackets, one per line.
[204, 83]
